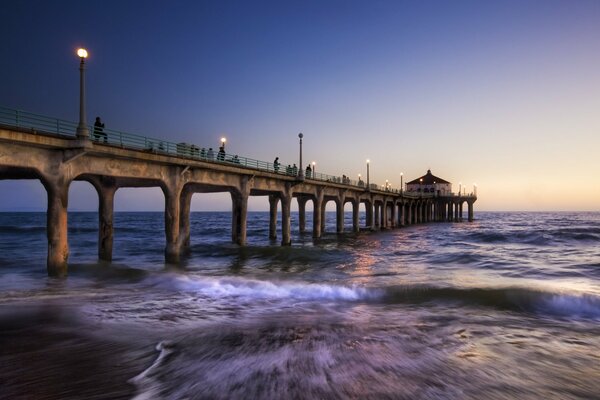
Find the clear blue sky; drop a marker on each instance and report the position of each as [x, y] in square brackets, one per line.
[504, 94]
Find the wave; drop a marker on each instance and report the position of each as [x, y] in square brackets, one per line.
[537, 237]
[510, 299]
[250, 288]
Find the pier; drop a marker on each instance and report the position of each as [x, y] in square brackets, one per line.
[48, 149]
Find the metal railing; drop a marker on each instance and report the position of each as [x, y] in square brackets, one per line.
[48, 125]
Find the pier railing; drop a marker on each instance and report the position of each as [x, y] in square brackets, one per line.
[48, 125]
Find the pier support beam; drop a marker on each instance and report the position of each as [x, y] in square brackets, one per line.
[56, 226]
[106, 197]
[317, 215]
[384, 216]
[355, 216]
[339, 215]
[185, 204]
[302, 213]
[239, 214]
[286, 204]
[376, 216]
[273, 200]
[470, 211]
[172, 191]
[369, 215]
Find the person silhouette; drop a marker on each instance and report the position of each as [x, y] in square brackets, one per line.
[276, 164]
[99, 131]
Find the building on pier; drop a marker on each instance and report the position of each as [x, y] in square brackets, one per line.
[429, 183]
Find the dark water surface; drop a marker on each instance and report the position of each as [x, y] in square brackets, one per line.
[507, 307]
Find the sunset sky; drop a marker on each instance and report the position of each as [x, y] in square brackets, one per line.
[502, 94]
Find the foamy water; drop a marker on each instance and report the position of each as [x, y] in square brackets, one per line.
[506, 307]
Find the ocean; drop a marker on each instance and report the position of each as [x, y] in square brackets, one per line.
[506, 307]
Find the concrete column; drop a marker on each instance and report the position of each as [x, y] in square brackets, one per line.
[172, 193]
[377, 215]
[56, 227]
[369, 215]
[339, 215]
[393, 215]
[402, 214]
[470, 211]
[409, 213]
[239, 217]
[286, 204]
[317, 215]
[323, 216]
[273, 200]
[302, 213]
[460, 211]
[355, 216]
[455, 212]
[185, 203]
[384, 215]
[106, 197]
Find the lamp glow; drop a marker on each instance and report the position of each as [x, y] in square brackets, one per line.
[82, 53]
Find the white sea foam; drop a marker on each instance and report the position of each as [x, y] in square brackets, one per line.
[148, 387]
[240, 287]
[571, 306]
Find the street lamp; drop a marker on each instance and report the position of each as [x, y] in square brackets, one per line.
[368, 181]
[300, 172]
[387, 185]
[223, 140]
[459, 187]
[475, 189]
[421, 185]
[82, 130]
[401, 181]
[314, 165]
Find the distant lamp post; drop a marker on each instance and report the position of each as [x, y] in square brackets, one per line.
[421, 185]
[475, 189]
[368, 180]
[300, 172]
[82, 130]
[223, 141]
[314, 166]
[459, 187]
[401, 182]
[387, 185]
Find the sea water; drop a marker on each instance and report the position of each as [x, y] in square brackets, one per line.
[505, 307]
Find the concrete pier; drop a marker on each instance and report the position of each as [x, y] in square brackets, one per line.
[57, 161]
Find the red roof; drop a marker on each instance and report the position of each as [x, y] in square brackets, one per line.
[427, 179]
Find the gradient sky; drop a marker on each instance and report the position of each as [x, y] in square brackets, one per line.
[504, 94]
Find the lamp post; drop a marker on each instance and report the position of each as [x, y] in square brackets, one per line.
[387, 183]
[368, 181]
[475, 189]
[421, 185]
[459, 187]
[314, 166]
[300, 171]
[223, 141]
[82, 130]
[401, 182]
